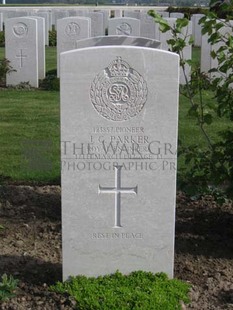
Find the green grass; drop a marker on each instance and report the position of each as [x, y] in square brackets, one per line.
[138, 290]
[27, 117]
[34, 115]
[190, 133]
[196, 55]
[51, 58]
[2, 52]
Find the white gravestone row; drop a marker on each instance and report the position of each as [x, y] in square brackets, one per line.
[25, 50]
[119, 110]
[14, 14]
[75, 12]
[99, 18]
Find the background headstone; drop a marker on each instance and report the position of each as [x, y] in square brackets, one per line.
[124, 26]
[21, 41]
[176, 15]
[119, 109]
[147, 26]
[196, 29]
[45, 15]
[132, 14]
[1, 21]
[59, 14]
[207, 62]
[163, 13]
[118, 40]
[41, 45]
[187, 51]
[69, 30]
[117, 13]
[97, 24]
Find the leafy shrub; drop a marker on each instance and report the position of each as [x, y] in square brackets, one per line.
[51, 81]
[138, 290]
[52, 37]
[5, 68]
[23, 86]
[7, 287]
[212, 165]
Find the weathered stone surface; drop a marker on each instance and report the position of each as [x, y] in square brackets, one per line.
[119, 109]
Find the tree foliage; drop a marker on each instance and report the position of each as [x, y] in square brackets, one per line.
[211, 167]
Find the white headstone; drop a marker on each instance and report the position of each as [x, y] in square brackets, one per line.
[119, 109]
[187, 51]
[117, 13]
[59, 15]
[15, 13]
[72, 13]
[163, 13]
[69, 30]
[196, 29]
[1, 21]
[176, 15]
[106, 16]
[45, 15]
[205, 54]
[118, 40]
[132, 14]
[147, 26]
[97, 24]
[41, 46]
[22, 50]
[207, 62]
[124, 26]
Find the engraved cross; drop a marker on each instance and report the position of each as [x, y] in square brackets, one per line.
[21, 57]
[117, 190]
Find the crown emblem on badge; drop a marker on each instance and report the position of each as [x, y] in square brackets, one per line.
[118, 68]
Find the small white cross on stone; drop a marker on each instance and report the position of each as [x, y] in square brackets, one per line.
[21, 57]
[117, 190]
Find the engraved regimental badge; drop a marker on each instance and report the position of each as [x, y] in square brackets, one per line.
[20, 30]
[119, 92]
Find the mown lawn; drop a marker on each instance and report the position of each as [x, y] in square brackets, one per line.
[30, 130]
